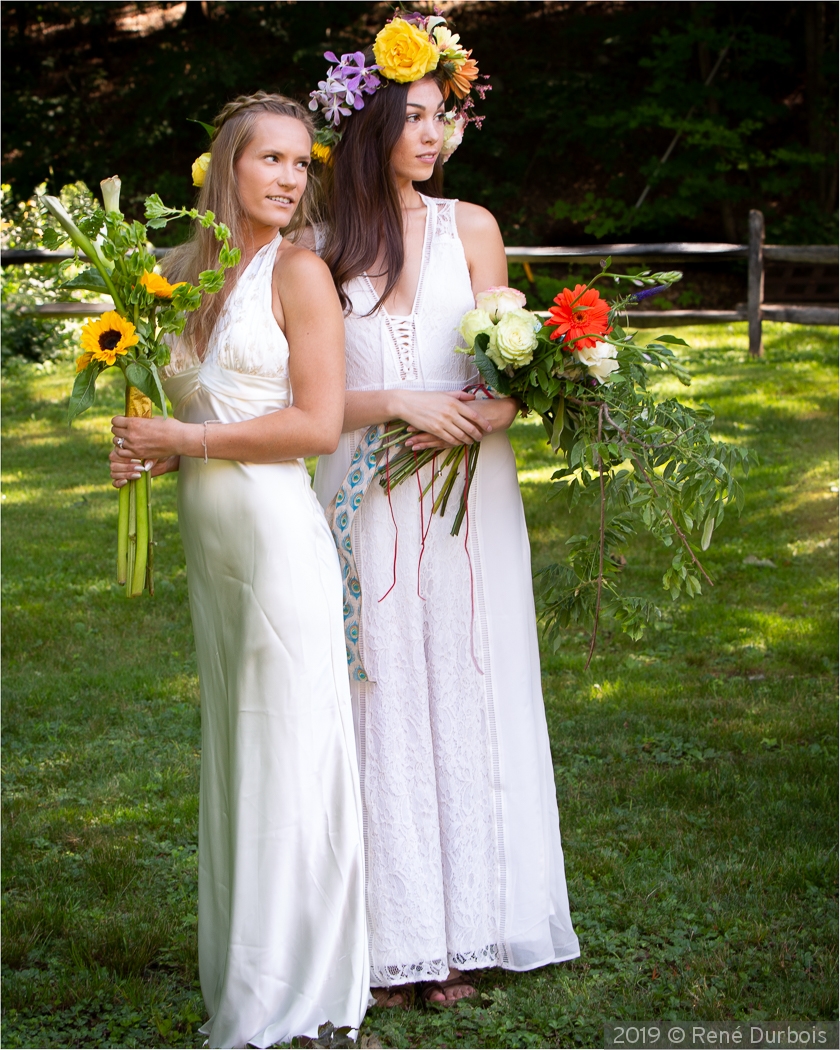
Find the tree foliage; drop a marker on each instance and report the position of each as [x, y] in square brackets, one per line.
[585, 100]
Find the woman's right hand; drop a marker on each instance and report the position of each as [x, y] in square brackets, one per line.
[125, 470]
[450, 415]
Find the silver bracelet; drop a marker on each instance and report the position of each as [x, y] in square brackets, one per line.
[204, 435]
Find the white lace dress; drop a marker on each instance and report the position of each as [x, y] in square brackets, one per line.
[281, 914]
[463, 854]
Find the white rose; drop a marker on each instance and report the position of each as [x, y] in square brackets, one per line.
[514, 339]
[599, 360]
[474, 323]
[453, 135]
[498, 301]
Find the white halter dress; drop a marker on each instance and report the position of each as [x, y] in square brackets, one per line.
[281, 919]
[462, 838]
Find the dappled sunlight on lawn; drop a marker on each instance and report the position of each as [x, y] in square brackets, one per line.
[694, 768]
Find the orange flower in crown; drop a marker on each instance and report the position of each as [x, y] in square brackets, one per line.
[580, 315]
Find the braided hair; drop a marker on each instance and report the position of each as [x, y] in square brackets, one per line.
[234, 129]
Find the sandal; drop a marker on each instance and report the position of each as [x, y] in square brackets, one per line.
[396, 996]
[428, 987]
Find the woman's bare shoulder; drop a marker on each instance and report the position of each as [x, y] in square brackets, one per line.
[473, 219]
[298, 263]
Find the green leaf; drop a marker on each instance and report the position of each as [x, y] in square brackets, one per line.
[209, 128]
[91, 280]
[84, 390]
[488, 371]
[672, 339]
[155, 208]
[92, 224]
[142, 376]
[708, 529]
[52, 240]
[559, 422]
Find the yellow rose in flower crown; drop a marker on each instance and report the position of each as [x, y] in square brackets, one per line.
[404, 52]
[201, 165]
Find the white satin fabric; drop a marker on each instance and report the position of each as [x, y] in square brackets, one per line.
[463, 854]
[281, 920]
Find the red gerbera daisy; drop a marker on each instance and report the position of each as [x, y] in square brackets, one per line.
[579, 313]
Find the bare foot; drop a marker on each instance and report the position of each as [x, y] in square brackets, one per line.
[455, 987]
[396, 996]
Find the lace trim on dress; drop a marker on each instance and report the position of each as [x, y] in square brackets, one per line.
[435, 969]
[445, 220]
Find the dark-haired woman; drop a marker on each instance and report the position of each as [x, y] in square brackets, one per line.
[281, 920]
[463, 853]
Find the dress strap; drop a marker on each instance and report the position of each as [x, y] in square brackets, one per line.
[443, 214]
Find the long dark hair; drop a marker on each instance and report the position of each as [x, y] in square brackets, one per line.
[363, 210]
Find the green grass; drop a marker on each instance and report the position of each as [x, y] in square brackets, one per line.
[695, 769]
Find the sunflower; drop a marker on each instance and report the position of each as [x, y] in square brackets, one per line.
[578, 314]
[108, 337]
[157, 285]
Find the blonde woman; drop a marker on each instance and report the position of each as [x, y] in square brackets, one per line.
[257, 383]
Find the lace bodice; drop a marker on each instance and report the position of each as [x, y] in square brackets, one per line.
[246, 337]
[385, 351]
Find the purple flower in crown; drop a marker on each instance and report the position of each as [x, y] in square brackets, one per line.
[413, 18]
[348, 79]
[353, 72]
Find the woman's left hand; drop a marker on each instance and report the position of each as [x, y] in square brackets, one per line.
[499, 412]
[157, 439]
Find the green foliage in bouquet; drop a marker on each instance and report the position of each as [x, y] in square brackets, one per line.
[643, 463]
[133, 337]
[147, 308]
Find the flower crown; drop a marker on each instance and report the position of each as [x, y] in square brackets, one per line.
[405, 50]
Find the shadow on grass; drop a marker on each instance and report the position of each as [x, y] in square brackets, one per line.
[695, 770]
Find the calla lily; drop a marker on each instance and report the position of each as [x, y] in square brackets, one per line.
[111, 193]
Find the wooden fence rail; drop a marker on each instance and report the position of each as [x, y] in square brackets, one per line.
[756, 253]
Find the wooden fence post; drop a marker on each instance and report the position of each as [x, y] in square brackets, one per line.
[755, 281]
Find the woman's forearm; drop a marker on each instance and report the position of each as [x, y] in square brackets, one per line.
[498, 412]
[366, 408]
[290, 433]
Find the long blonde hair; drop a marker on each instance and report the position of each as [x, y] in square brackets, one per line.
[220, 194]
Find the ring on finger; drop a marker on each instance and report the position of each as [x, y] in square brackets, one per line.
[119, 442]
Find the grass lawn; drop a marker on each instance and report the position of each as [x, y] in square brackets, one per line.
[696, 769]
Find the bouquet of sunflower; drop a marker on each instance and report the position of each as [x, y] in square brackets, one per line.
[644, 462]
[147, 311]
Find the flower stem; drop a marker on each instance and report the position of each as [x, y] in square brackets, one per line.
[131, 536]
[122, 533]
[141, 553]
[150, 558]
[57, 210]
